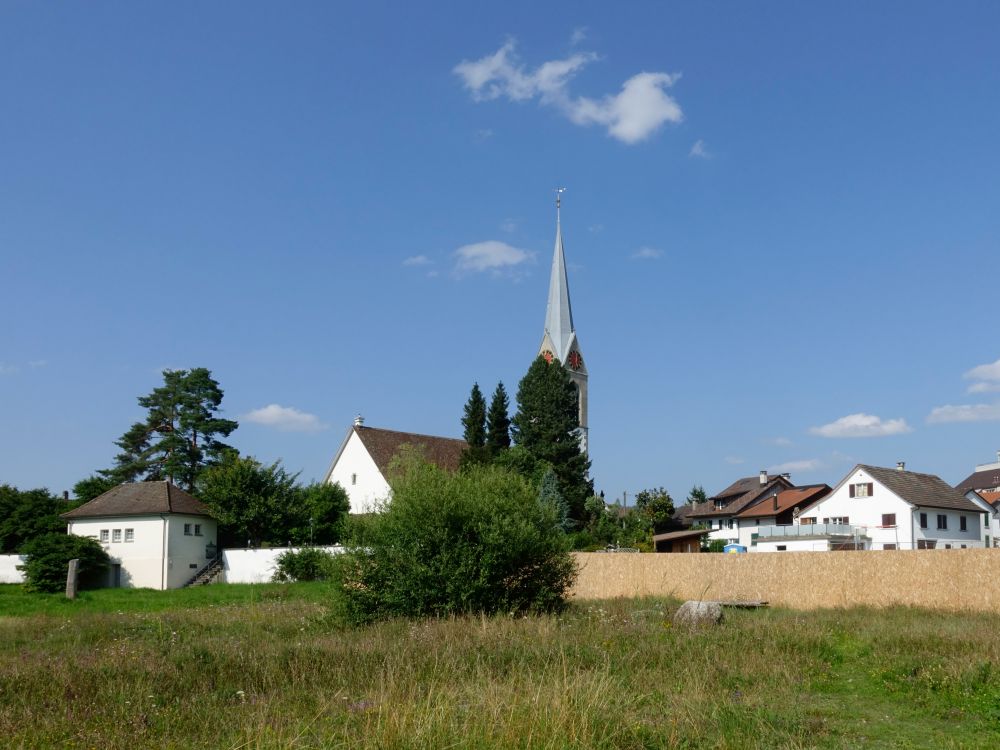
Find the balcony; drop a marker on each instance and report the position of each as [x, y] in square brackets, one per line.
[811, 531]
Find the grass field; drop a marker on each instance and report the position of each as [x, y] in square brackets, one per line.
[265, 666]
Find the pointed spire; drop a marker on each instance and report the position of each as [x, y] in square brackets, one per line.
[558, 313]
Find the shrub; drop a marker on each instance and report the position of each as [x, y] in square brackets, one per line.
[476, 541]
[309, 564]
[47, 559]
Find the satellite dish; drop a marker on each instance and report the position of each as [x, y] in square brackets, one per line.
[796, 511]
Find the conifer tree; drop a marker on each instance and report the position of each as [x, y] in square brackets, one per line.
[546, 424]
[474, 420]
[498, 422]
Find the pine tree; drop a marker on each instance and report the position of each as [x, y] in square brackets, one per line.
[546, 424]
[179, 437]
[498, 422]
[474, 420]
[549, 494]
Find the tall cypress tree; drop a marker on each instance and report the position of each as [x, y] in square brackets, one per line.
[498, 422]
[546, 425]
[474, 420]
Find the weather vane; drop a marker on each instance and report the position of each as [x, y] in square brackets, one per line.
[559, 192]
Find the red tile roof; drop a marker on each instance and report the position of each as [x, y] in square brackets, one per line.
[787, 499]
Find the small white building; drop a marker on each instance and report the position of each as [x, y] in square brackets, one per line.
[878, 508]
[157, 535]
[361, 466]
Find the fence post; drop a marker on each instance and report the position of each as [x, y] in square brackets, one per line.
[72, 576]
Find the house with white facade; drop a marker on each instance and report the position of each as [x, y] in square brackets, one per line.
[720, 512]
[989, 503]
[157, 535]
[361, 466]
[780, 508]
[881, 509]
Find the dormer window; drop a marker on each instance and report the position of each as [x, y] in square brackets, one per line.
[719, 504]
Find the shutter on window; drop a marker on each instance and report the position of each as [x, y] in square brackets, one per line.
[852, 490]
[871, 489]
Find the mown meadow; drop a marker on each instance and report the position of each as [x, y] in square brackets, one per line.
[270, 667]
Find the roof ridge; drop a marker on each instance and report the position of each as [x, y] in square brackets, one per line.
[404, 432]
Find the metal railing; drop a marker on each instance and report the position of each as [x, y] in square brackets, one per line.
[812, 530]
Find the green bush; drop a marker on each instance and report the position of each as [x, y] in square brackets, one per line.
[48, 556]
[479, 541]
[309, 564]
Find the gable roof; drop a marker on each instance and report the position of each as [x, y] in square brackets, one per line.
[141, 499]
[787, 499]
[925, 490]
[383, 445]
[991, 498]
[739, 495]
[980, 480]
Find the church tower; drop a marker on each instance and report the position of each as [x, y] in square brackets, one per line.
[559, 340]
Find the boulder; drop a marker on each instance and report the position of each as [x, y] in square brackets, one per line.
[694, 614]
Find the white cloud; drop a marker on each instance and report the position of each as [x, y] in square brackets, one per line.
[595, 228]
[965, 413]
[417, 260]
[7, 369]
[781, 442]
[484, 134]
[284, 418]
[579, 34]
[508, 225]
[983, 388]
[647, 253]
[631, 115]
[807, 464]
[989, 375]
[735, 460]
[492, 255]
[699, 151]
[862, 425]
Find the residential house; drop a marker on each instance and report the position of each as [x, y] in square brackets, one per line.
[720, 512]
[157, 535]
[986, 478]
[361, 466]
[780, 508]
[879, 508]
[989, 503]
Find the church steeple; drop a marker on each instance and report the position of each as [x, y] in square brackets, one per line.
[559, 340]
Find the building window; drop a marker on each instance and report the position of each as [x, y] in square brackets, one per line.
[838, 520]
[782, 547]
[923, 520]
[889, 520]
[942, 521]
[197, 529]
[888, 546]
[129, 535]
[187, 529]
[354, 479]
[116, 536]
[926, 543]
[961, 523]
[862, 489]
[807, 521]
[947, 546]
[730, 523]
[964, 547]
[105, 536]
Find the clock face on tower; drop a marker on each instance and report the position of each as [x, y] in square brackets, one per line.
[548, 356]
[575, 360]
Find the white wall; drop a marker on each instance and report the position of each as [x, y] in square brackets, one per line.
[257, 565]
[8, 569]
[971, 537]
[141, 559]
[186, 553]
[792, 545]
[356, 472]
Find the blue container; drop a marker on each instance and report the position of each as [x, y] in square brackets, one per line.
[734, 549]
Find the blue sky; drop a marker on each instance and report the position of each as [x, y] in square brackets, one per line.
[781, 221]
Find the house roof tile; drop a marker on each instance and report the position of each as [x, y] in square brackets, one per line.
[737, 496]
[787, 499]
[140, 499]
[925, 490]
[980, 480]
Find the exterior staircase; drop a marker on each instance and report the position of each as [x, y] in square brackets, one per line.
[211, 573]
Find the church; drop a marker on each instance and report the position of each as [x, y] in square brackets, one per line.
[361, 464]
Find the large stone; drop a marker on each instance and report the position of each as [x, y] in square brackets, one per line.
[72, 578]
[694, 614]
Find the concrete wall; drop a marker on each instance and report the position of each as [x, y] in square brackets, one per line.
[8, 569]
[256, 565]
[938, 579]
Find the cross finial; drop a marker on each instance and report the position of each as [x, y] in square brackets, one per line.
[559, 192]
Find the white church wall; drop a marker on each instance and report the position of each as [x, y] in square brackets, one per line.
[357, 473]
[8, 569]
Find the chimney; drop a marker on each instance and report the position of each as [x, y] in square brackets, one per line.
[359, 421]
[66, 496]
[901, 466]
[998, 457]
[763, 477]
[776, 501]
[787, 476]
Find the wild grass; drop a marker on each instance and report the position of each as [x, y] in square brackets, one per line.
[272, 670]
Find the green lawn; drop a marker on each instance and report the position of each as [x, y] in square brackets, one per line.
[266, 666]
